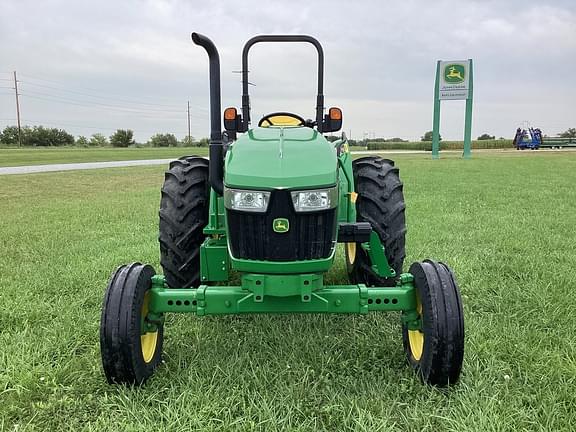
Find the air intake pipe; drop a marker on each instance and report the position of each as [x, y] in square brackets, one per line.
[216, 168]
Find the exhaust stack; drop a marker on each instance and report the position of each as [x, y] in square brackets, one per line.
[216, 169]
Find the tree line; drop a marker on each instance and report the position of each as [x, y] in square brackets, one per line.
[40, 136]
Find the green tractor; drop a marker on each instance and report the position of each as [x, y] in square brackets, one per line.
[271, 205]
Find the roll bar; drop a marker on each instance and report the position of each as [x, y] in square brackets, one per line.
[283, 38]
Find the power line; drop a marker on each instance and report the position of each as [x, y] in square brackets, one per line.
[107, 107]
[64, 87]
[98, 97]
[119, 108]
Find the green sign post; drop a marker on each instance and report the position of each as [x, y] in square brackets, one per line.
[453, 82]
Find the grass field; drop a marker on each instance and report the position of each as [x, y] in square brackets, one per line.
[57, 155]
[505, 223]
[41, 156]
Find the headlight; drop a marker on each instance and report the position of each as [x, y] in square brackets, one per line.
[314, 200]
[246, 200]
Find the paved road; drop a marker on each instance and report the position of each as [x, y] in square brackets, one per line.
[30, 169]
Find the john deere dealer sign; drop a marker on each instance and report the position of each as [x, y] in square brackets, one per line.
[454, 79]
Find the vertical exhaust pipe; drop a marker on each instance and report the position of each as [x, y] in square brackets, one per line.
[216, 168]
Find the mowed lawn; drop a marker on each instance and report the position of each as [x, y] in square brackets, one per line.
[505, 223]
[58, 155]
[43, 156]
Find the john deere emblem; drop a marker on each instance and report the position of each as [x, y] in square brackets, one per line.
[281, 225]
[454, 73]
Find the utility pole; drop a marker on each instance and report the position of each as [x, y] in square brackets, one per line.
[18, 111]
[189, 137]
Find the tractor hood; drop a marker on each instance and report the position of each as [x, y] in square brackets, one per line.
[280, 158]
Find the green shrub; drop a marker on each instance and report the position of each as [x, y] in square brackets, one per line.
[122, 138]
[163, 140]
[37, 136]
[82, 141]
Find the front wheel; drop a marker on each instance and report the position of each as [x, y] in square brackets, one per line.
[130, 349]
[436, 350]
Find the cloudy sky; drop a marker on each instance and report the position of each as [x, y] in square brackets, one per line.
[92, 67]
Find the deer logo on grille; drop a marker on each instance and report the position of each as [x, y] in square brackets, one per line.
[281, 225]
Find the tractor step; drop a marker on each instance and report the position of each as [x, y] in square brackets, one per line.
[357, 232]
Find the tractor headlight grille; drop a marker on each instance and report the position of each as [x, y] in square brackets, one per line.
[281, 233]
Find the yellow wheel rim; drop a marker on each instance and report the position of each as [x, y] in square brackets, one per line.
[148, 340]
[416, 337]
[351, 249]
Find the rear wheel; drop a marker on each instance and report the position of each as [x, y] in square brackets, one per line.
[436, 351]
[183, 216]
[380, 201]
[129, 353]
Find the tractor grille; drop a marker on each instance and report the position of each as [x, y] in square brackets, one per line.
[311, 235]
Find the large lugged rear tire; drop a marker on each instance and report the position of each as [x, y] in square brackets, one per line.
[183, 216]
[436, 351]
[128, 356]
[380, 201]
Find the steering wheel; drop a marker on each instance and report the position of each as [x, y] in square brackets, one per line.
[281, 119]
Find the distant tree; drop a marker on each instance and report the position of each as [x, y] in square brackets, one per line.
[82, 141]
[501, 138]
[428, 136]
[203, 142]
[486, 137]
[569, 133]
[396, 139]
[98, 140]
[122, 138]
[39, 136]
[9, 136]
[163, 140]
[187, 141]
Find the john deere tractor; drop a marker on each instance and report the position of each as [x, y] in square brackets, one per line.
[270, 206]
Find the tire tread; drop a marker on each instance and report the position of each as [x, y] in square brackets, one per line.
[183, 216]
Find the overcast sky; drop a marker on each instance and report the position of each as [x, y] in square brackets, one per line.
[97, 66]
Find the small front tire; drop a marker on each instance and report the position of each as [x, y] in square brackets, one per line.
[436, 351]
[129, 356]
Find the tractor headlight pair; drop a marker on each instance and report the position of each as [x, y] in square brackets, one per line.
[304, 201]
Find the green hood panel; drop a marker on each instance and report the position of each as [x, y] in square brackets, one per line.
[271, 158]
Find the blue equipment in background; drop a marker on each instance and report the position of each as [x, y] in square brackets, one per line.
[531, 139]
